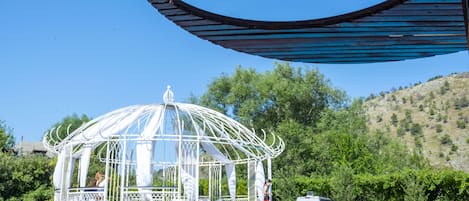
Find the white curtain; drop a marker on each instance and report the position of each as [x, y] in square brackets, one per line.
[111, 124]
[231, 174]
[260, 179]
[188, 180]
[188, 169]
[229, 165]
[144, 149]
[57, 177]
[84, 164]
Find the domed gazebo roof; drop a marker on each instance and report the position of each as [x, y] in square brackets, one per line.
[171, 121]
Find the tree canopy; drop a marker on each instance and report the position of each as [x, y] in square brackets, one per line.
[325, 134]
[68, 124]
[7, 141]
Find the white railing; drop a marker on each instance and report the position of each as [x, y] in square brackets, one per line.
[156, 193]
[132, 194]
[86, 194]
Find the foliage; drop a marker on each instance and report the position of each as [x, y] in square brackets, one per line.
[68, 124]
[460, 103]
[444, 88]
[416, 130]
[7, 141]
[394, 119]
[266, 100]
[446, 139]
[325, 135]
[25, 178]
[408, 184]
[435, 78]
[343, 187]
[460, 123]
[439, 128]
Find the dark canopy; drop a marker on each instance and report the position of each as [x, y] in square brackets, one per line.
[390, 31]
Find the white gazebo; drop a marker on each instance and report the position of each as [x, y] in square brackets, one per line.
[168, 151]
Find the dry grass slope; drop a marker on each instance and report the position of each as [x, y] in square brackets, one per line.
[431, 117]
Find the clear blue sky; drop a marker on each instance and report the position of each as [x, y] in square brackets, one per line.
[91, 57]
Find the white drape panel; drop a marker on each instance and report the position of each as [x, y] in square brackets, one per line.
[260, 179]
[57, 177]
[113, 124]
[212, 150]
[189, 169]
[188, 181]
[229, 166]
[144, 148]
[144, 175]
[231, 174]
[84, 164]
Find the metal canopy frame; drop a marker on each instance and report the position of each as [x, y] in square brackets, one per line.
[161, 152]
[393, 30]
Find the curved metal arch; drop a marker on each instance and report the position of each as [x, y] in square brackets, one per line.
[393, 30]
[274, 25]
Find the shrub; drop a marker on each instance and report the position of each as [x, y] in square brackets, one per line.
[461, 124]
[454, 148]
[394, 120]
[416, 130]
[446, 139]
[439, 128]
[461, 103]
[401, 132]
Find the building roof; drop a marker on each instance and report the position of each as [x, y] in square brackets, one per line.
[389, 31]
[25, 148]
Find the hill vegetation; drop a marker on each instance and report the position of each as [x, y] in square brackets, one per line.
[430, 117]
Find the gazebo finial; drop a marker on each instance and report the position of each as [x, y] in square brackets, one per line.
[168, 96]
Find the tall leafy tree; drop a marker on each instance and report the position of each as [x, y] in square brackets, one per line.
[67, 125]
[7, 141]
[266, 100]
[289, 101]
[22, 178]
[324, 134]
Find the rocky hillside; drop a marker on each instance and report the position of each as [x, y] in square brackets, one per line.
[431, 117]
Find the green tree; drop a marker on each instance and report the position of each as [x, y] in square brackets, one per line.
[322, 131]
[460, 123]
[343, 186]
[265, 100]
[67, 125]
[416, 129]
[7, 141]
[446, 139]
[408, 116]
[25, 178]
[461, 103]
[394, 119]
[444, 88]
[400, 131]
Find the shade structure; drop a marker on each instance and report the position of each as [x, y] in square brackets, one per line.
[393, 30]
[159, 152]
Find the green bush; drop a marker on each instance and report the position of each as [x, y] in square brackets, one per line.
[461, 124]
[446, 139]
[439, 128]
[408, 184]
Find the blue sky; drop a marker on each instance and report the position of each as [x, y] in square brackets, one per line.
[91, 57]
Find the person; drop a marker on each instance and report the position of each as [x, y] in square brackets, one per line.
[100, 183]
[100, 180]
[266, 190]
